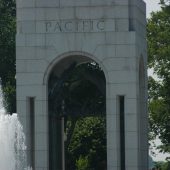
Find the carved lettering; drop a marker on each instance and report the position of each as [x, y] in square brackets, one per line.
[86, 26]
[58, 27]
[75, 26]
[69, 26]
[91, 25]
[48, 26]
[100, 25]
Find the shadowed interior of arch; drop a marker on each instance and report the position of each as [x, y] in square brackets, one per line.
[77, 115]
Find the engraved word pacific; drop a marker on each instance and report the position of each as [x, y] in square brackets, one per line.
[75, 26]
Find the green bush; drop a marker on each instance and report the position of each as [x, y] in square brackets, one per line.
[82, 163]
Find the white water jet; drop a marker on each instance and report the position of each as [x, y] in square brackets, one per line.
[12, 142]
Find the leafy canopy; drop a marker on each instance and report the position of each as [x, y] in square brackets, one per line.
[158, 34]
[7, 53]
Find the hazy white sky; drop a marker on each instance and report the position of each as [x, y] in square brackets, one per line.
[152, 5]
[158, 156]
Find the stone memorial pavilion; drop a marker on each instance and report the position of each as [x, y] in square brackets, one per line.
[54, 34]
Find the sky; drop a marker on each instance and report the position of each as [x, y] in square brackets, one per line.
[151, 5]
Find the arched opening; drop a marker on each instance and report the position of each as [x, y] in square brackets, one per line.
[77, 115]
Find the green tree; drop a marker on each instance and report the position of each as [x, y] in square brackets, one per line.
[82, 163]
[162, 165]
[88, 144]
[158, 34]
[165, 2]
[7, 53]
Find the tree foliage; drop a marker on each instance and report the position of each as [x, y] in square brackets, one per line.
[158, 34]
[7, 53]
[88, 144]
[162, 165]
[165, 2]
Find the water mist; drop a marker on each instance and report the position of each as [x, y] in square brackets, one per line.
[12, 142]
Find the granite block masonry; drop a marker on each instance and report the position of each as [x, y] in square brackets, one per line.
[110, 32]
